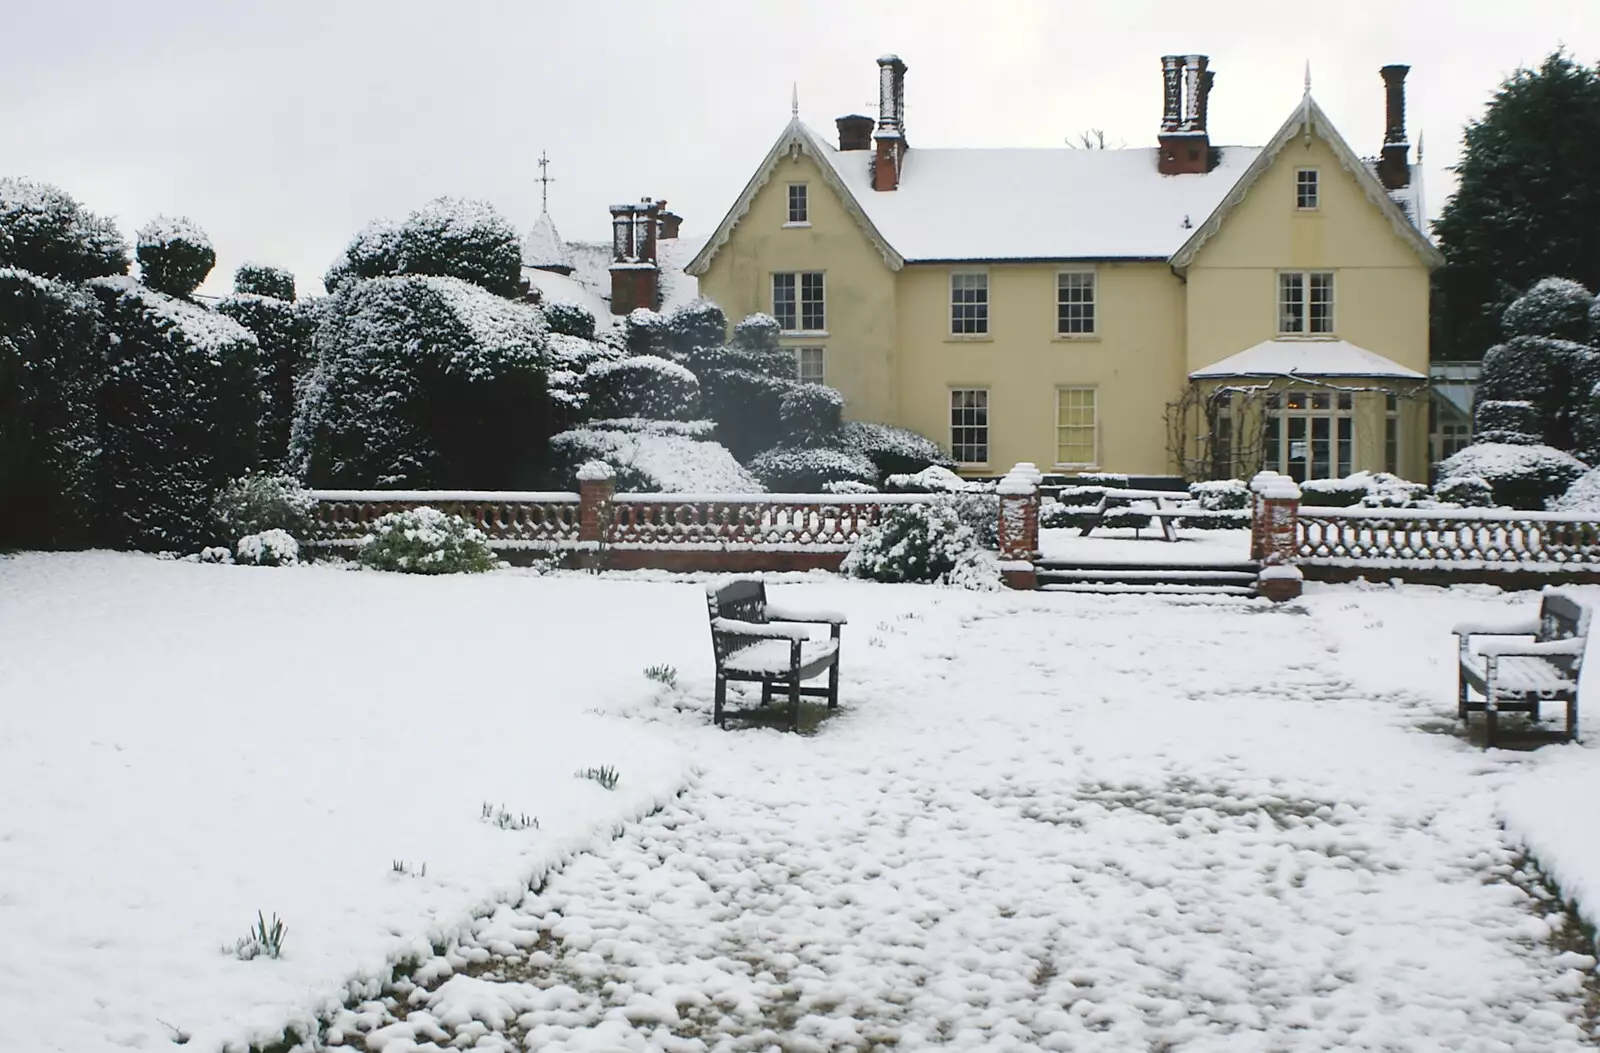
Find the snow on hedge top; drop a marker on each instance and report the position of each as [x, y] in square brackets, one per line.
[513, 328]
[202, 328]
[971, 204]
[1310, 358]
[1499, 460]
[164, 230]
[675, 463]
[1581, 496]
[543, 247]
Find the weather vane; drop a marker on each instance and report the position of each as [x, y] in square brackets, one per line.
[544, 182]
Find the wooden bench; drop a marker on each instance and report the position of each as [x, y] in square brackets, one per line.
[765, 643]
[1162, 513]
[1514, 673]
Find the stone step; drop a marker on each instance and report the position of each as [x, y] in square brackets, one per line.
[1189, 575]
[1149, 588]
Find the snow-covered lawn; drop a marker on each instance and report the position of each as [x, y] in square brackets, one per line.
[1042, 821]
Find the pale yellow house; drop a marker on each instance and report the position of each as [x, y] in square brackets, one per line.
[1189, 309]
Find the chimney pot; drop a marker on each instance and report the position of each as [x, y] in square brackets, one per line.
[855, 132]
[1394, 164]
[1185, 142]
[890, 138]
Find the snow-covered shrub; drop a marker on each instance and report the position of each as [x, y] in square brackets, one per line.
[651, 456]
[214, 554]
[799, 470]
[746, 405]
[178, 414]
[462, 239]
[1582, 496]
[1514, 421]
[1332, 493]
[643, 386]
[848, 486]
[698, 323]
[44, 231]
[811, 414]
[1220, 495]
[934, 479]
[1594, 321]
[1390, 491]
[917, 543]
[1468, 491]
[49, 439]
[1053, 515]
[570, 319]
[260, 279]
[1109, 480]
[175, 255]
[422, 382]
[979, 509]
[257, 502]
[644, 332]
[1520, 476]
[425, 540]
[1553, 307]
[757, 332]
[372, 253]
[270, 548]
[283, 331]
[893, 450]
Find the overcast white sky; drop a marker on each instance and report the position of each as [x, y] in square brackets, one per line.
[283, 128]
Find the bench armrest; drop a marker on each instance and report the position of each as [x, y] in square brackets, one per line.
[1573, 646]
[735, 627]
[779, 613]
[1527, 627]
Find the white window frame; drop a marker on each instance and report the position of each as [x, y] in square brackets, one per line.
[1093, 426]
[1093, 303]
[1305, 201]
[1338, 410]
[1302, 299]
[978, 310]
[804, 217]
[970, 425]
[810, 376]
[798, 305]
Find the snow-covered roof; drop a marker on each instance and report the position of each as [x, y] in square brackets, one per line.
[1306, 358]
[1016, 204]
[543, 248]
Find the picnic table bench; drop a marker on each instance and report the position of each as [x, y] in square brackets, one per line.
[1523, 663]
[753, 640]
[1162, 513]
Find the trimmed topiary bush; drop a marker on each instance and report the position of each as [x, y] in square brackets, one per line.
[258, 279]
[698, 323]
[797, 470]
[1468, 491]
[1520, 476]
[1554, 307]
[270, 548]
[256, 503]
[653, 456]
[811, 414]
[1582, 496]
[1514, 421]
[1220, 495]
[893, 450]
[426, 541]
[45, 232]
[372, 253]
[175, 255]
[642, 386]
[462, 239]
[570, 319]
[920, 543]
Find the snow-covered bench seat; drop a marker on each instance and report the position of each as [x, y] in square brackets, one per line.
[1152, 503]
[1524, 663]
[753, 640]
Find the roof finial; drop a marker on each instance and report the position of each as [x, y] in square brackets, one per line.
[1419, 146]
[544, 183]
[794, 101]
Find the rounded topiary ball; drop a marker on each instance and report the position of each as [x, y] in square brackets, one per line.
[174, 255]
[258, 279]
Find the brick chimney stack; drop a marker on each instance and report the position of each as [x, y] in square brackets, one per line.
[890, 138]
[635, 275]
[1186, 93]
[855, 132]
[1394, 164]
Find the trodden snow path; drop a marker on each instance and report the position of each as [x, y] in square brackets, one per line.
[1052, 822]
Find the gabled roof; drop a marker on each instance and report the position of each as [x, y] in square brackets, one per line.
[544, 250]
[1309, 119]
[796, 137]
[1306, 358]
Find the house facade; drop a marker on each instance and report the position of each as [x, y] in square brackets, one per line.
[1191, 309]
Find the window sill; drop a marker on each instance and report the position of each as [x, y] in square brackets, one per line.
[1308, 337]
[1307, 208]
[803, 334]
[793, 225]
[1076, 338]
[972, 466]
[1068, 466]
[969, 338]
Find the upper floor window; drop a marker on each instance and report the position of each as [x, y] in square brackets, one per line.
[969, 304]
[1305, 302]
[1075, 294]
[808, 367]
[797, 301]
[1306, 191]
[798, 211]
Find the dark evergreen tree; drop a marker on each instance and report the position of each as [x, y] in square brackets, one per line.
[1527, 200]
[174, 255]
[283, 329]
[44, 231]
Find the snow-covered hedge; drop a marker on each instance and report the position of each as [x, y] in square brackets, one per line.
[1368, 489]
[570, 319]
[1467, 491]
[260, 279]
[1514, 421]
[921, 543]
[893, 450]
[447, 237]
[50, 370]
[175, 255]
[698, 323]
[934, 479]
[259, 502]
[283, 331]
[1220, 495]
[1520, 476]
[44, 231]
[426, 541]
[643, 386]
[811, 414]
[270, 548]
[1553, 307]
[798, 470]
[1582, 496]
[652, 456]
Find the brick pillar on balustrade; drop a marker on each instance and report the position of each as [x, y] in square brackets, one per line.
[1274, 512]
[596, 485]
[1019, 525]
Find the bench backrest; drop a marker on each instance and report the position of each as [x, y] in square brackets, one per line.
[1561, 618]
[745, 601]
